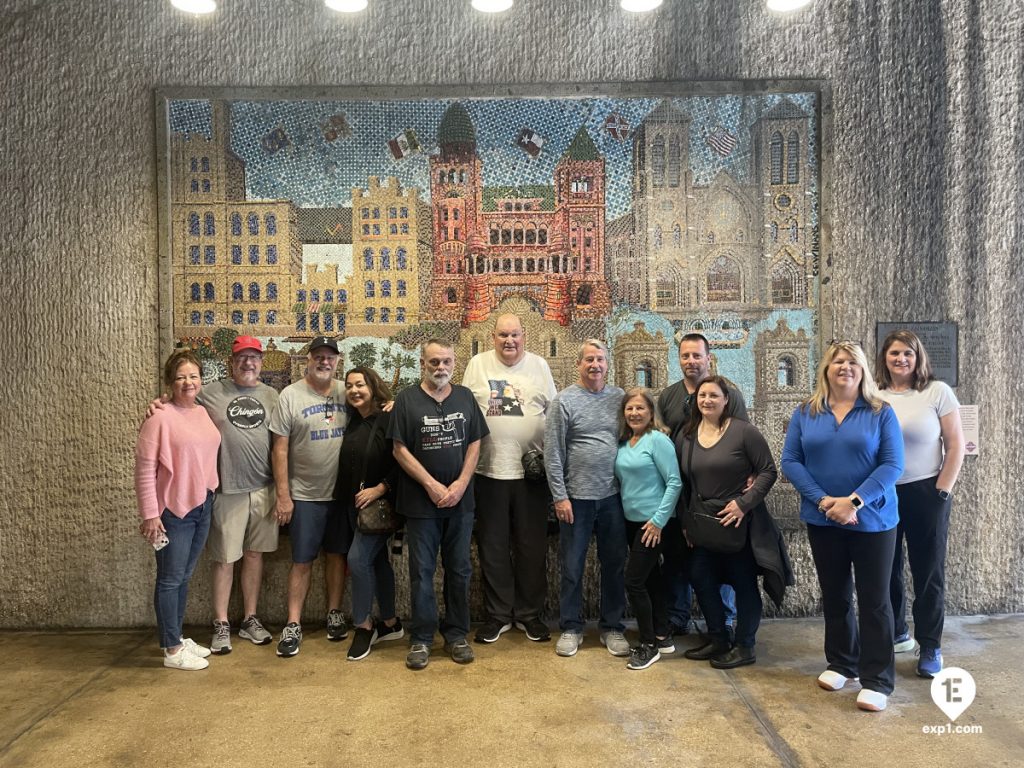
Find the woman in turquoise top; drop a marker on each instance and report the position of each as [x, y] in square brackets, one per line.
[649, 484]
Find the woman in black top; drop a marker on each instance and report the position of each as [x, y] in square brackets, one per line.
[365, 444]
[718, 456]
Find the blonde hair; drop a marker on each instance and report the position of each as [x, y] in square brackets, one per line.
[818, 400]
[625, 431]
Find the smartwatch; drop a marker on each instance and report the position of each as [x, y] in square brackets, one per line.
[857, 502]
[945, 495]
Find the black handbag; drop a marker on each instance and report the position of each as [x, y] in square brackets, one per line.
[379, 517]
[703, 526]
[533, 466]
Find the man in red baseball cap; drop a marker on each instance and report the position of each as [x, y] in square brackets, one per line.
[243, 525]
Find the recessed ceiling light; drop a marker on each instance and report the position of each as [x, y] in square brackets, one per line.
[492, 6]
[346, 6]
[639, 6]
[195, 6]
[785, 6]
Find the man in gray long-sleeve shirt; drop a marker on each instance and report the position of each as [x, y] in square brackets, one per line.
[580, 443]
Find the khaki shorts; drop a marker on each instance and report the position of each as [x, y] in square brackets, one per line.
[242, 521]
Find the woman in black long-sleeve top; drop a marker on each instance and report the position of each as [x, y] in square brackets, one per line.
[717, 455]
[368, 560]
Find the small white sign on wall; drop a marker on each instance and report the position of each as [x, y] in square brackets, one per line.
[969, 420]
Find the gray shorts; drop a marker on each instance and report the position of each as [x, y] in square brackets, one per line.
[243, 522]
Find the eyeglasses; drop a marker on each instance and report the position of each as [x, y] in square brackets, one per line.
[329, 409]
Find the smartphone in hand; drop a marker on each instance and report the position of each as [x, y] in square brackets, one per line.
[161, 542]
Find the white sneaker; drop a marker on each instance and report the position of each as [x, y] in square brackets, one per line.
[615, 642]
[195, 648]
[871, 701]
[569, 643]
[904, 643]
[183, 659]
[833, 681]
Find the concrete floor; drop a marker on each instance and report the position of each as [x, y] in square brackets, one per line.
[103, 699]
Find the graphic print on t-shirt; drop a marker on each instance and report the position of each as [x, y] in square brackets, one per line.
[245, 412]
[504, 400]
[445, 431]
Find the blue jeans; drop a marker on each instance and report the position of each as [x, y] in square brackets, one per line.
[605, 518]
[424, 537]
[174, 566]
[370, 573]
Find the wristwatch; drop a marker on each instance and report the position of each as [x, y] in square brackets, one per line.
[944, 494]
[857, 502]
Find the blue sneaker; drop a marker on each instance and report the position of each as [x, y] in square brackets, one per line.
[929, 663]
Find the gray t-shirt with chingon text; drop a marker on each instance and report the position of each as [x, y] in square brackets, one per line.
[581, 439]
[314, 425]
[242, 415]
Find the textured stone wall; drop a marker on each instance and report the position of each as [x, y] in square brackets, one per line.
[927, 184]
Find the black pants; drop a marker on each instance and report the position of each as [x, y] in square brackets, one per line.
[708, 572]
[512, 541]
[924, 523]
[856, 646]
[645, 586]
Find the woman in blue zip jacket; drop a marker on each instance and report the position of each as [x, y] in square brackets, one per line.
[844, 454]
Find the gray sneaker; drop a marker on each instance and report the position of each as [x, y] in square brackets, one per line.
[221, 642]
[253, 630]
[615, 642]
[569, 643]
[419, 656]
[460, 651]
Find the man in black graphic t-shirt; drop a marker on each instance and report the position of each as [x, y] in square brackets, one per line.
[436, 428]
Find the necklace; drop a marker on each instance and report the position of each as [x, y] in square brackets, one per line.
[715, 431]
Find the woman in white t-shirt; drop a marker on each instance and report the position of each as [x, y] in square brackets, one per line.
[933, 440]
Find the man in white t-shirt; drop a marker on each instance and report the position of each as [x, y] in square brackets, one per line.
[514, 389]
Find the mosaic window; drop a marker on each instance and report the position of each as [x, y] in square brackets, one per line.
[724, 280]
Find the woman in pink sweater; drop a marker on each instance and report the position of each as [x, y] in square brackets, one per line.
[175, 476]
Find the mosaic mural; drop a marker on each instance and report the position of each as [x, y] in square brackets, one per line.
[383, 223]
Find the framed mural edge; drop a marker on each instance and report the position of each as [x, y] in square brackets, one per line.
[632, 211]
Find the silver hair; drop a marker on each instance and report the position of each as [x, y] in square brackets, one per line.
[591, 343]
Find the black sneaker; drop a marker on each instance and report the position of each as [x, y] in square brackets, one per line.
[665, 644]
[384, 632]
[361, 643]
[291, 639]
[491, 631]
[460, 651]
[535, 629]
[643, 656]
[336, 629]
